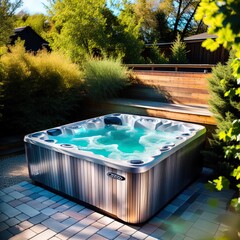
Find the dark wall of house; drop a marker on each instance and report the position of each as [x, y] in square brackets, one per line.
[196, 54]
[33, 42]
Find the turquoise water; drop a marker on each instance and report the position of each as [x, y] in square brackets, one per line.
[119, 142]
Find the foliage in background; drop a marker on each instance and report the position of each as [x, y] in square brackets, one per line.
[222, 17]
[39, 91]
[178, 51]
[225, 110]
[38, 22]
[7, 9]
[153, 55]
[91, 29]
[104, 78]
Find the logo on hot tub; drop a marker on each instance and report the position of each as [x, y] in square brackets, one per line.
[116, 176]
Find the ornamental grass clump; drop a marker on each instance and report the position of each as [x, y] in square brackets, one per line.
[39, 91]
[105, 78]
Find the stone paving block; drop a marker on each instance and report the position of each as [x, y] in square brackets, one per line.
[148, 228]
[167, 236]
[5, 235]
[114, 225]
[108, 233]
[24, 208]
[206, 226]
[86, 212]
[15, 203]
[8, 210]
[197, 233]
[75, 215]
[127, 230]
[25, 224]
[122, 237]
[3, 226]
[16, 194]
[97, 237]
[171, 208]
[34, 196]
[12, 221]
[3, 217]
[151, 238]
[23, 183]
[48, 211]
[87, 221]
[140, 235]
[56, 198]
[71, 231]
[7, 198]
[38, 228]
[47, 234]
[22, 217]
[178, 236]
[14, 230]
[48, 202]
[37, 205]
[98, 225]
[25, 235]
[38, 218]
[1, 193]
[41, 199]
[88, 231]
[8, 189]
[209, 216]
[54, 225]
[96, 216]
[158, 233]
[164, 214]
[181, 226]
[76, 208]
[156, 221]
[59, 217]
[46, 193]
[105, 220]
[27, 192]
[69, 222]
[25, 199]
[37, 189]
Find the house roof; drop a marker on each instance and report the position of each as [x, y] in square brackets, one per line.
[32, 41]
[201, 36]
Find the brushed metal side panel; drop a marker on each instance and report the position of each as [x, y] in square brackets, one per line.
[133, 200]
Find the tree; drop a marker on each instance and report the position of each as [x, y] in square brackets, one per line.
[180, 15]
[222, 17]
[178, 51]
[80, 27]
[7, 10]
[92, 29]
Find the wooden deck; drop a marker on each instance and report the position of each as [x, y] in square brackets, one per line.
[187, 113]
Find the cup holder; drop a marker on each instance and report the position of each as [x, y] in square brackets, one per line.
[66, 145]
[136, 161]
[165, 148]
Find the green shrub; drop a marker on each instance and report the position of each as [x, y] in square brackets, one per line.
[153, 55]
[104, 78]
[39, 91]
[225, 110]
[178, 51]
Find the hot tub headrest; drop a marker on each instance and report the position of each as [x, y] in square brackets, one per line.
[54, 132]
[113, 120]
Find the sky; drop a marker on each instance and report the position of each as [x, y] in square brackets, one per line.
[33, 6]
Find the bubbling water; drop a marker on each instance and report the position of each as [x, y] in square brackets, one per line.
[121, 142]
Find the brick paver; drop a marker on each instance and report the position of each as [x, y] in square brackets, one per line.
[28, 211]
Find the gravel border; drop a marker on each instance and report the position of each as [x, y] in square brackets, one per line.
[13, 169]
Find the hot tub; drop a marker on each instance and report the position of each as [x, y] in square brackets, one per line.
[126, 165]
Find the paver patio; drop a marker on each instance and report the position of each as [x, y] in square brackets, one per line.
[28, 211]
